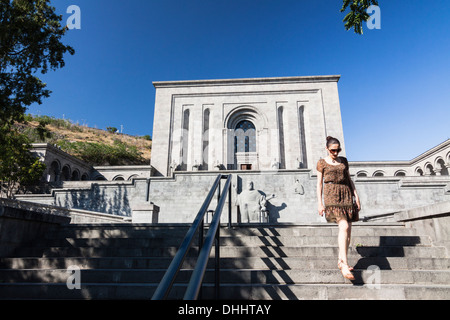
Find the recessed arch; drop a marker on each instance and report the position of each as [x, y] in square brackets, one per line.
[245, 112]
[75, 175]
[441, 167]
[378, 173]
[54, 172]
[429, 169]
[362, 174]
[400, 173]
[66, 173]
[418, 171]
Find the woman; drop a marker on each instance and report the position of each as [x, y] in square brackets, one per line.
[338, 191]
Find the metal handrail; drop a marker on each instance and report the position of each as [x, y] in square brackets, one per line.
[168, 279]
[213, 236]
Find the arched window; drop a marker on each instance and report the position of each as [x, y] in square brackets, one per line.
[245, 137]
[429, 170]
[281, 136]
[361, 174]
[378, 174]
[301, 127]
[185, 141]
[205, 139]
[65, 173]
[54, 173]
[440, 166]
[419, 172]
[75, 175]
[400, 173]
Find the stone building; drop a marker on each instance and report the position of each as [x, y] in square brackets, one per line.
[60, 166]
[65, 169]
[433, 162]
[267, 133]
[244, 124]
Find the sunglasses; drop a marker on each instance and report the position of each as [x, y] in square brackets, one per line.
[335, 150]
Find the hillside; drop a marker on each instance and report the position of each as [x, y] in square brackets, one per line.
[95, 146]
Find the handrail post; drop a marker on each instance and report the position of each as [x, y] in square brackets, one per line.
[229, 207]
[200, 268]
[200, 235]
[166, 283]
[217, 265]
[200, 244]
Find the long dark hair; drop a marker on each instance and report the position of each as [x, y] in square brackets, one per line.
[331, 140]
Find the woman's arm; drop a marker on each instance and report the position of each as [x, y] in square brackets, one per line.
[353, 188]
[320, 206]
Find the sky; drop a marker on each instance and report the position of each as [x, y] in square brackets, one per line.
[394, 89]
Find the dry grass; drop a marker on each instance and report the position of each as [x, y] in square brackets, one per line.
[85, 134]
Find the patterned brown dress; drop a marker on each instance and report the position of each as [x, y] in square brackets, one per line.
[338, 195]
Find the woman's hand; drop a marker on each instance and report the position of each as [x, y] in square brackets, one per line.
[321, 209]
[358, 203]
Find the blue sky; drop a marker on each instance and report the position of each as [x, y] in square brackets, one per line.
[394, 88]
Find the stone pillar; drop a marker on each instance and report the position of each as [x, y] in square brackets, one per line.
[145, 213]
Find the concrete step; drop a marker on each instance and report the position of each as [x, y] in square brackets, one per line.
[119, 231]
[239, 276]
[139, 291]
[249, 241]
[127, 261]
[236, 251]
[284, 263]
[179, 231]
[334, 292]
[361, 241]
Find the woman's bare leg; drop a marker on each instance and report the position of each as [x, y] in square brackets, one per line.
[343, 239]
[343, 242]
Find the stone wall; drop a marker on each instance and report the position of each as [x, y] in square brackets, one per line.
[180, 197]
[23, 223]
[433, 220]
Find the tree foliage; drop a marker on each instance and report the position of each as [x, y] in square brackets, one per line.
[358, 13]
[30, 42]
[19, 169]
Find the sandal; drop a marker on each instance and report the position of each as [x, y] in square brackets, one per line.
[339, 263]
[347, 275]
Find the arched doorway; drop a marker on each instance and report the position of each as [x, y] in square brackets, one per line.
[245, 125]
[245, 145]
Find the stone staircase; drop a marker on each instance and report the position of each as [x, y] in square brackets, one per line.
[126, 261]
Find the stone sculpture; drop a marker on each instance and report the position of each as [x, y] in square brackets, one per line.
[251, 203]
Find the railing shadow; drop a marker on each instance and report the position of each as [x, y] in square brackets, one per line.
[377, 257]
[260, 282]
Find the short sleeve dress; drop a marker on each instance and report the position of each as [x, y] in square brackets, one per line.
[338, 195]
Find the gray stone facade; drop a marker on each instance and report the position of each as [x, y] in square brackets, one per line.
[433, 162]
[64, 170]
[252, 124]
[60, 166]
